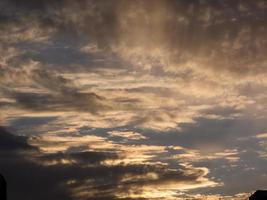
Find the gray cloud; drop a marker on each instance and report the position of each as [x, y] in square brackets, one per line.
[58, 94]
[29, 176]
[195, 66]
[220, 35]
[10, 142]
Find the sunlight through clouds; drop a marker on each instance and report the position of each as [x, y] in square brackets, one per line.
[135, 99]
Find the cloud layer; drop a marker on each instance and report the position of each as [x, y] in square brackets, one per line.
[134, 99]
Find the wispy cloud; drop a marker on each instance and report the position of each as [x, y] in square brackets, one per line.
[134, 99]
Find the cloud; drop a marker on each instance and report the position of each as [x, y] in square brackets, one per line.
[262, 135]
[127, 135]
[16, 166]
[51, 90]
[138, 77]
[82, 174]
[118, 30]
[225, 28]
[10, 142]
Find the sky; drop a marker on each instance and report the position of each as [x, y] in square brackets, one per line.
[133, 99]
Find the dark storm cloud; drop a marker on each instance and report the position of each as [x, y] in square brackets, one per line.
[25, 179]
[32, 175]
[29, 180]
[10, 142]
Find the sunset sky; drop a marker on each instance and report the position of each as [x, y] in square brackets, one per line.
[133, 99]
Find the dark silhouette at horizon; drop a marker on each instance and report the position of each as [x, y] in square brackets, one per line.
[3, 195]
[259, 195]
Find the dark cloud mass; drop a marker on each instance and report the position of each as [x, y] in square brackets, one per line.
[32, 175]
[10, 142]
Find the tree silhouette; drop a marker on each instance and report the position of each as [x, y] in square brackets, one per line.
[2, 188]
[259, 195]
